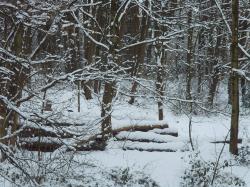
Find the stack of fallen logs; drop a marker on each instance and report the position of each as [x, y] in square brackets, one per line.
[50, 137]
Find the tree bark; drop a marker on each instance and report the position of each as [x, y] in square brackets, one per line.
[189, 59]
[215, 70]
[243, 26]
[160, 90]
[89, 53]
[233, 148]
[17, 83]
[109, 87]
[140, 49]
[201, 43]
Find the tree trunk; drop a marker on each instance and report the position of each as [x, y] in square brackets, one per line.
[243, 26]
[106, 110]
[189, 58]
[235, 87]
[17, 83]
[109, 87]
[160, 90]
[215, 70]
[159, 60]
[243, 86]
[3, 116]
[140, 49]
[97, 83]
[229, 90]
[89, 53]
[201, 44]
[87, 90]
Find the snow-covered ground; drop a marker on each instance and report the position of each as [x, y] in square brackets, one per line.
[166, 168]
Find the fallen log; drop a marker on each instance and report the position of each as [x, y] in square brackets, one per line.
[39, 146]
[56, 132]
[94, 143]
[36, 132]
[143, 128]
[139, 136]
[50, 147]
[43, 132]
[166, 131]
[148, 150]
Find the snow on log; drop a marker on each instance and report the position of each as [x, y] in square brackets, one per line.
[166, 131]
[145, 137]
[143, 128]
[152, 147]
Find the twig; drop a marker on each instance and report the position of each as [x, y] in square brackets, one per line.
[218, 159]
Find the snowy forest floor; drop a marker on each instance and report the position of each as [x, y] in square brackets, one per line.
[166, 168]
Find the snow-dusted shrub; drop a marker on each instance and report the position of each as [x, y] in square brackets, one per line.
[125, 177]
[27, 169]
[102, 177]
[202, 174]
[70, 172]
[244, 155]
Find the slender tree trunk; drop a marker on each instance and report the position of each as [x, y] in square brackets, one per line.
[229, 90]
[159, 59]
[3, 116]
[160, 88]
[89, 53]
[243, 86]
[189, 58]
[215, 72]
[233, 147]
[17, 84]
[87, 90]
[3, 126]
[199, 67]
[243, 26]
[97, 83]
[213, 87]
